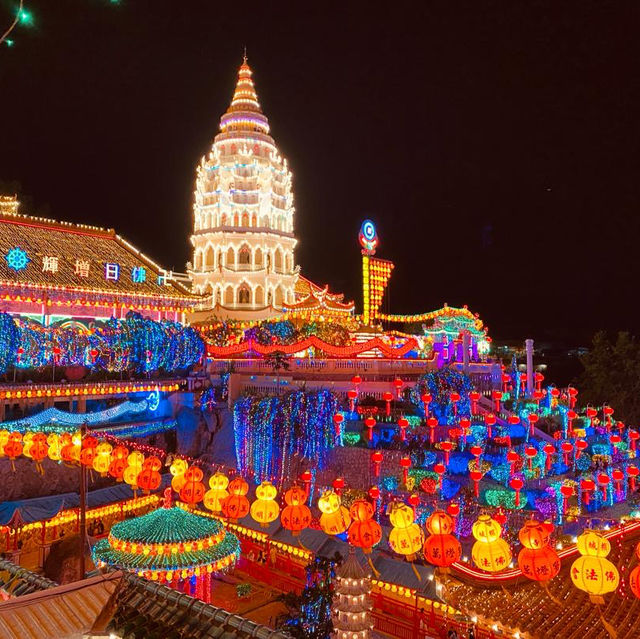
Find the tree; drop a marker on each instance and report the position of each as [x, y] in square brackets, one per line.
[612, 375]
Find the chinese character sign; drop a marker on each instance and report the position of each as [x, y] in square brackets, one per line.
[112, 271]
[82, 268]
[138, 274]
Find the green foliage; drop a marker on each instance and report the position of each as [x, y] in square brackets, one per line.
[612, 375]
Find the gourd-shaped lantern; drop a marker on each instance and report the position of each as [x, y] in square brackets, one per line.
[592, 571]
[177, 469]
[335, 518]
[441, 548]
[27, 440]
[118, 462]
[405, 537]
[217, 492]
[88, 452]
[364, 532]
[634, 576]
[102, 458]
[296, 515]
[193, 490]
[133, 469]
[236, 505]
[490, 552]
[4, 440]
[13, 448]
[39, 450]
[66, 448]
[265, 509]
[537, 560]
[149, 477]
[53, 442]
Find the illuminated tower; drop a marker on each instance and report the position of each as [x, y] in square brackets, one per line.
[243, 240]
[352, 601]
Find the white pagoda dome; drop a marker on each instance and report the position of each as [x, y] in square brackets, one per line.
[243, 240]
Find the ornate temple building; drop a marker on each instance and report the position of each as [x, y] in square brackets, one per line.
[243, 239]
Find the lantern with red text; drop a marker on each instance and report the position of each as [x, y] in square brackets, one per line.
[364, 532]
[236, 505]
[537, 560]
[441, 548]
[217, 492]
[335, 518]
[14, 447]
[489, 552]
[177, 469]
[265, 509]
[634, 576]
[592, 571]
[133, 469]
[405, 537]
[296, 515]
[193, 490]
[149, 477]
[102, 459]
[118, 462]
[38, 450]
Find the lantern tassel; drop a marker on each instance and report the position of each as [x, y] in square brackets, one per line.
[553, 598]
[607, 626]
[375, 572]
[415, 571]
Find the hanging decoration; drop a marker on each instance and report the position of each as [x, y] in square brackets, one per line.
[335, 518]
[265, 509]
[489, 552]
[441, 548]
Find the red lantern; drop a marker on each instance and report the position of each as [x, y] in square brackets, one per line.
[338, 418]
[587, 486]
[571, 416]
[531, 452]
[39, 449]
[591, 413]
[566, 492]
[490, 420]
[533, 420]
[403, 423]
[356, 380]
[370, 422]
[447, 447]
[296, 516]
[88, 452]
[442, 550]
[539, 379]
[338, 485]
[193, 490]
[474, 397]
[632, 472]
[497, 397]
[405, 463]
[506, 382]
[453, 509]
[541, 564]
[581, 445]
[523, 382]
[374, 495]
[603, 481]
[573, 395]
[426, 400]
[634, 435]
[607, 411]
[432, 422]
[352, 396]
[398, 383]
[634, 581]
[516, 483]
[376, 458]
[454, 398]
[512, 458]
[476, 451]
[439, 469]
[363, 532]
[618, 477]
[513, 420]
[549, 450]
[387, 397]
[235, 505]
[567, 449]
[149, 480]
[13, 448]
[476, 476]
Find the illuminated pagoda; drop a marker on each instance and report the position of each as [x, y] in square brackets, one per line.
[53, 271]
[352, 601]
[171, 546]
[243, 239]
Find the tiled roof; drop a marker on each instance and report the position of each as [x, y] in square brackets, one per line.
[310, 296]
[71, 243]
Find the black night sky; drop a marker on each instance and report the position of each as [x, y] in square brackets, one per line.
[495, 144]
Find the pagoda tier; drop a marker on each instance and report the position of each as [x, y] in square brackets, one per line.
[352, 601]
[243, 240]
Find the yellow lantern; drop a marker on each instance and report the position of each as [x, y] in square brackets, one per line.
[335, 518]
[55, 446]
[264, 509]
[178, 467]
[102, 458]
[490, 552]
[406, 536]
[4, 440]
[593, 544]
[218, 491]
[27, 440]
[592, 572]
[135, 461]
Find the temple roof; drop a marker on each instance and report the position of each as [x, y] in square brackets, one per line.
[42, 253]
[311, 297]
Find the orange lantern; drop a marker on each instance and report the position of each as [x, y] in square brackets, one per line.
[335, 517]
[296, 516]
[39, 449]
[364, 532]
[88, 452]
[441, 548]
[118, 462]
[537, 560]
[149, 477]
[13, 448]
[236, 505]
[193, 490]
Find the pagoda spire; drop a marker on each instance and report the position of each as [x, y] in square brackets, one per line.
[245, 97]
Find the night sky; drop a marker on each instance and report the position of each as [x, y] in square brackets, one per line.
[495, 144]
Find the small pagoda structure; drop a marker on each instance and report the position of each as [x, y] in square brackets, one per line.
[352, 601]
[171, 546]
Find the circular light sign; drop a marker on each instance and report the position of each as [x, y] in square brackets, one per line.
[368, 236]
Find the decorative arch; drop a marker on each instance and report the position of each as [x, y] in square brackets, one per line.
[277, 260]
[236, 219]
[197, 260]
[244, 294]
[278, 297]
[223, 220]
[244, 255]
[258, 259]
[209, 257]
[228, 296]
[245, 219]
[258, 296]
[230, 257]
[254, 220]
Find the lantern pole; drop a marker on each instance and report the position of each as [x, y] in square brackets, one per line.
[83, 503]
